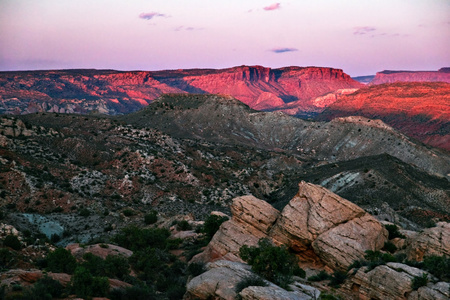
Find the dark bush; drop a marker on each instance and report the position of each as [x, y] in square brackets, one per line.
[439, 266]
[322, 275]
[135, 238]
[393, 232]
[183, 225]
[128, 212]
[6, 258]
[389, 247]
[61, 261]
[419, 281]
[251, 280]
[212, 224]
[116, 266]
[151, 218]
[84, 212]
[338, 278]
[274, 263]
[45, 288]
[196, 269]
[12, 241]
[84, 285]
[132, 293]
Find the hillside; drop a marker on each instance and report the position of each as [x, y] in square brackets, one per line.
[419, 110]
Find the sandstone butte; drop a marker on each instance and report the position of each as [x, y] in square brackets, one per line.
[256, 86]
[442, 75]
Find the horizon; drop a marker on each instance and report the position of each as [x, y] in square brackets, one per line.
[359, 37]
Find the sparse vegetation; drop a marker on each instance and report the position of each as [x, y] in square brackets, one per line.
[419, 281]
[274, 263]
[251, 280]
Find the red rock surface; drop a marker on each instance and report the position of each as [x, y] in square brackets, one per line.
[443, 75]
[114, 92]
[420, 110]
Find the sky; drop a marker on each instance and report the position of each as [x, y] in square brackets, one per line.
[361, 37]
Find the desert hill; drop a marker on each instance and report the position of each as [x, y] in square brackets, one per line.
[420, 110]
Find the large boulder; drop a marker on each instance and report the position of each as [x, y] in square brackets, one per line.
[100, 250]
[431, 241]
[219, 282]
[438, 291]
[341, 246]
[390, 281]
[252, 219]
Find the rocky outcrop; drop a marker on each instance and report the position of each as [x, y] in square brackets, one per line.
[431, 241]
[317, 225]
[270, 293]
[219, 282]
[251, 221]
[100, 250]
[390, 281]
[438, 291]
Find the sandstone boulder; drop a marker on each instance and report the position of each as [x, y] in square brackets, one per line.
[100, 250]
[218, 282]
[313, 211]
[341, 246]
[390, 281]
[438, 291]
[432, 241]
[252, 219]
[271, 293]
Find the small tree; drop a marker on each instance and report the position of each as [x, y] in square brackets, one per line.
[13, 242]
[212, 224]
[61, 261]
[274, 263]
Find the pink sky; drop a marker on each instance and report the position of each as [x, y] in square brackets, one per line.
[361, 37]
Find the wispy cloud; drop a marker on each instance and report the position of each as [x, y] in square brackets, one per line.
[273, 6]
[283, 50]
[187, 28]
[362, 30]
[151, 15]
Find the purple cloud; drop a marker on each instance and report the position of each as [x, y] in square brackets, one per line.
[363, 30]
[283, 50]
[180, 28]
[150, 15]
[273, 6]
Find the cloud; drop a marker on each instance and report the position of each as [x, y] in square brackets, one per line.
[180, 28]
[362, 30]
[283, 50]
[150, 15]
[273, 6]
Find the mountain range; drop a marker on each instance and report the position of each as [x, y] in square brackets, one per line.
[419, 110]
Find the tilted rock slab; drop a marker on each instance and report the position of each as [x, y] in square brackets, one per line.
[438, 291]
[337, 230]
[271, 293]
[316, 224]
[431, 241]
[252, 219]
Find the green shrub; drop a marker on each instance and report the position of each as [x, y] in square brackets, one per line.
[84, 285]
[12, 241]
[393, 232]
[84, 212]
[128, 212]
[132, 293]
[196, 269]
[251, 280]
[212, 224]
[389, 247]
[135, 238]
[419, 281]
[116, 266]
[61, 261]
[274, 263]
[322, 275]
[183, 225]
[338, 278]
[6, 258]
[45, 288]
[439, 266]
[151, 218]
